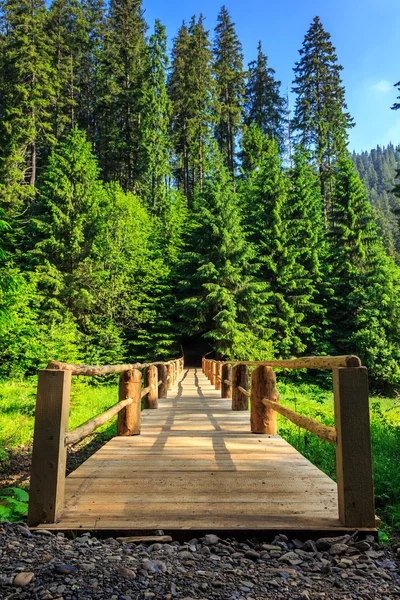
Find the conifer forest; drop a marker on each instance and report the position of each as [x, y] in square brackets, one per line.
[160, 195]
[152, 199]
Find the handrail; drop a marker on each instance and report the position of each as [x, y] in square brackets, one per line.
[77, 434]
[324, 432]
[306, 362]
[245, 392]
[93, 370]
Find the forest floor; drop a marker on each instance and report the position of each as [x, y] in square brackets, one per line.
[17, 404]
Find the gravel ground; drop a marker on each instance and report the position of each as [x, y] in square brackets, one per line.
[43, 566]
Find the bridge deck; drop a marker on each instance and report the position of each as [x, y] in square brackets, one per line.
[197, 466]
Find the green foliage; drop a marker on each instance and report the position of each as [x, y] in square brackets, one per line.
[13, 504]
[320, 119]
[264, 105]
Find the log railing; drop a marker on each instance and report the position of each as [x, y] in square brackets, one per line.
[351, 433]
[51, 435]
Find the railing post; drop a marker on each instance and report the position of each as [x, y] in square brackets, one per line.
[49, 454]
[170, 376]
[130, 384]
[353, 451]
[263, 385]
[226, 374]
[217, 375]
[207, 368]
[151, 378]
[240, 377]
[203, 360]
[213, 368]
[162, 376]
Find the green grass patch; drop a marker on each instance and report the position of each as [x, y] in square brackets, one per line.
[312, 401]
[17, 408]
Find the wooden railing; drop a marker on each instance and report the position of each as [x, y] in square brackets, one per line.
[351, 434]
[51, 435]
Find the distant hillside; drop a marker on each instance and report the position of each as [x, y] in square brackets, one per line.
[377, 170]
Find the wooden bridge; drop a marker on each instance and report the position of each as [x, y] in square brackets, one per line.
[196, 459]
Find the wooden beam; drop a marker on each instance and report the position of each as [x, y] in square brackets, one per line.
[324, 432]
[92, 370]
[49, 453]
[170, 376]
[226, 383]
[151, 379]
[130, 384]
[77, 434]
[162, 377]
[307, 362]
[353, 451]
[240, 378]
[263, 385]
[218, 366]
[213, 369]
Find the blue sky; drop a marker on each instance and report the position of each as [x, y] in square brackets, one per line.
[365, 33]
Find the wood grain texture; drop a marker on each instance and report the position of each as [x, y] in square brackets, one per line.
[226, 376]
[353, 450]
[49, 453]
[197, 466]
[307, 362]
[240, 379]
[130, 384]
[77, 434]
[263, 385]
[151, 379]
[162, 376]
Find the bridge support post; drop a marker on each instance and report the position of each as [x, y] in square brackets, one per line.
[217, 375]
[226, 374]
[213, 368]
[49, 455]
[170, 376]
[162, 376]
[151, 378]
[130, 383]
[353, 451]
[263, 385]
[240, 377]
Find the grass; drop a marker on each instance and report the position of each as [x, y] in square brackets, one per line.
[17, 405]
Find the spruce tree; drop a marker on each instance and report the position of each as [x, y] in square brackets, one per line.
[120, 97]
[218, 295]
[364, 308]
[155, 129]
[229, 76]
[264, 104]
[27, 94]
[321, 119]
[67, 38]
[191, 89]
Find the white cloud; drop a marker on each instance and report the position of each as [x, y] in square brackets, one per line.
[383, 86]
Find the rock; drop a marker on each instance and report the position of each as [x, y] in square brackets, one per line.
[290, 558]
[184, 555]
[154, 566]
[310, 546]
[252, 554]
[338, 549]
[326, 543]
[44, 532]
[126, 573]
[23, 579]
[149, 595]
[140, 539]
[205, 551]
[362, 546]
[65, 569]
[304, 596]
[210, 539]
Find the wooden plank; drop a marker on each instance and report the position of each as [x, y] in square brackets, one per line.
[49, 451]
[353, 451]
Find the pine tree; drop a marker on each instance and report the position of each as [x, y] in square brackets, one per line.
[364, 309]
[120, 97]
[320, 118]
[155, 130]
[229, 76]
[67, 38]
[191, 88]
[27, 93]
[264, 104]
[219, 299]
